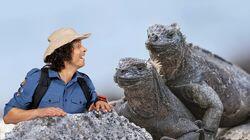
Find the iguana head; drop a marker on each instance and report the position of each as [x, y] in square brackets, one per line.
[160, 36]
[132, 72]
[137, 78]
[165, 45]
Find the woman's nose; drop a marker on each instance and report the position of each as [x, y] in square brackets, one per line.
[84, 49]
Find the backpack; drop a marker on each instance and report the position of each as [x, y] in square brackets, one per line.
[44, 83]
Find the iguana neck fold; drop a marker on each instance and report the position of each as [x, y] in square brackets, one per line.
[148, 107]
[170, 60]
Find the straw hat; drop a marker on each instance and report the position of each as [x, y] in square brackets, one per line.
[61, 37]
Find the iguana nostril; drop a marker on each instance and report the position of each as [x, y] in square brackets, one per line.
[122, 71]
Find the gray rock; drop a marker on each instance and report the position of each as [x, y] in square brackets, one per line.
[90, 125]
[241, 132]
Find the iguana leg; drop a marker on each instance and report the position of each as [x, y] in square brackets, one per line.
[207, 99]
[117, 103]
[167, 138]
[190, 136]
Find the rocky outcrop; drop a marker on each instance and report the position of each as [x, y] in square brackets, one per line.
[91, 125]
[5, 128]
[241, 132]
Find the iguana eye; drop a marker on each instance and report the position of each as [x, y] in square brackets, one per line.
[170, 35]
[139, 68]
[154, 37]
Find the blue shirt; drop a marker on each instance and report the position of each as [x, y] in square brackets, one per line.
[68, 97]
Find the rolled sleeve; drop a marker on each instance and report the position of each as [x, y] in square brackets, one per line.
[23, 97]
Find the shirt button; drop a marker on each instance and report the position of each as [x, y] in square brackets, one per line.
[65, 100]
[80, 102]
[49, 100]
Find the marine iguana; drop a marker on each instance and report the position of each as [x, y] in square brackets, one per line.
[150, 104]
[213, 89]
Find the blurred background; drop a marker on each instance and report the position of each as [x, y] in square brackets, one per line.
[118, 30]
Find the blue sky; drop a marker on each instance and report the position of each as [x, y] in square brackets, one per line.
[118, 30]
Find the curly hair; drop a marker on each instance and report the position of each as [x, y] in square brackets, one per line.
[56, 60]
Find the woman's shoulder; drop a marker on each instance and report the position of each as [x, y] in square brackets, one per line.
[84, 75]
[35, 72]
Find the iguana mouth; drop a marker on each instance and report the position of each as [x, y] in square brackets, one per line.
[160, 43]
[125, 82]
[132, 72]
[157, 48]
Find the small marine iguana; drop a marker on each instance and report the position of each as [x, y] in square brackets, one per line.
[213, 89]
[150, 104]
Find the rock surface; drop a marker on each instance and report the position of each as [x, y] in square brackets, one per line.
[90, 125]
[5, 128]
[241, 132]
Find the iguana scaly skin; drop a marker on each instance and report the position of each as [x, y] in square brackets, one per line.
[215, 90]
[150, 104]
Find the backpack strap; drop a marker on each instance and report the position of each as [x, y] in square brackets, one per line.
[44, 83]
[85, 89]
[41, 88]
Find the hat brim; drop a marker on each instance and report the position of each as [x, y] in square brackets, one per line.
[83, 36]
[54, 46]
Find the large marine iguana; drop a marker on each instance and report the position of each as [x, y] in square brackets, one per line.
[215, 90]
[150, 104]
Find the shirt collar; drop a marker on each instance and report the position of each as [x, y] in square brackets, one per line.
[54, 74]
[76, 76]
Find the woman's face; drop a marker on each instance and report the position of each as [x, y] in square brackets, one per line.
[78, 54]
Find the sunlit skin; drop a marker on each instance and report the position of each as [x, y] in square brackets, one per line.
[78, 54]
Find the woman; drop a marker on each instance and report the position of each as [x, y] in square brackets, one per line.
[64, 56]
